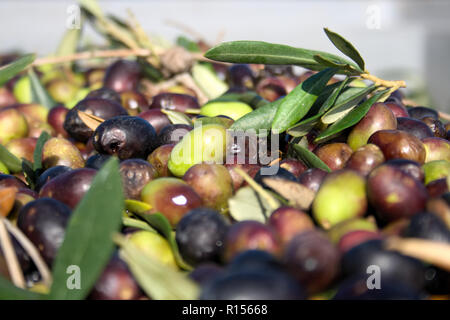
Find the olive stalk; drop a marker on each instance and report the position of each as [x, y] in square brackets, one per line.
[10, 256]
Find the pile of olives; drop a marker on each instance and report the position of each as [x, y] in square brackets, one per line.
[389, 177]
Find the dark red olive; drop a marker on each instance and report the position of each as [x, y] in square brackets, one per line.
[174, 101]
[122, 75]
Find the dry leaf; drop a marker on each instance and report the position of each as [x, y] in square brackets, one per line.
[7, 198]
[436, 253]
[297, 194]
[90, 120]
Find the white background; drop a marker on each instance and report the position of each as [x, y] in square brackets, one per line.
[414, 35]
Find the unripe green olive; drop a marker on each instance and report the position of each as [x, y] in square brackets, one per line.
[203, 144]
[232, 109]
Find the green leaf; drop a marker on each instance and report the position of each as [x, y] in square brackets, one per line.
[149, 71]
[88, 240]
[331, 64]
[11, 161]
[135, 223]
[298, 102]
[345, 47]
[69, 43]
[188, 44]
[157, 280]
[37, 155]
[29, 173]
[208, 81]
[160, 223]
[346, 101]
[304, 127]
[177, 117]
[309, 158]
[38, 92]
[332, 98]
[250, 97]
[259, 52]
[259, 119]
[247, 205]
[8, 291]
[352, 118]
[10, 70]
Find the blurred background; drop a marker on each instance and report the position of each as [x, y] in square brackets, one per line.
[407, 39]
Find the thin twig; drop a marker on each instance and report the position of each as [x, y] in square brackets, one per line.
[116, 53]
[384, 83]
[31, 250]
[14, 269]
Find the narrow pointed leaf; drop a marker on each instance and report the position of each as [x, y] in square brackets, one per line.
[208, 81]
[38, 92]
[345, 47]
[37, 155]
[259, 119]
[160, 223]
[303, 127]
[352, 118]
[309, 158]
[8, 291]
[247, 205]
[177, 117]
[10, 70]
[157, 280]
[331, 100]
[331, 64]
[11, 161]
[298, 102]
[346, 101]
[260, 52]
[88, 240]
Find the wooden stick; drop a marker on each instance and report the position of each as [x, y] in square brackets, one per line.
[15, 271]
[31, 250]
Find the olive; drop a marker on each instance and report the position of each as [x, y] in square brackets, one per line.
[122, 75]
[102, 108]
[208, 247]
[44, 221]
[136, 173]
[125, 137]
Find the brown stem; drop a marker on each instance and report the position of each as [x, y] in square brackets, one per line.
[384, 83]
[15, 271]
[116, 53]
[31, 250]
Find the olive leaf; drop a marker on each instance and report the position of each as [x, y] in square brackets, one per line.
[208, 81]
[135, 223]
[11, 161]
[188, 44]
[69, 43]
[8, 291]
[298, 102]
[247, 205]
[38, 93]
[259, 119]
[346, 101]
[91, 121]
[149, 71]
[352, 118]
[37, 154]
[177, 117]
[29, 173]
[304, 127]
[162, 225]
[259, 52]
[8, 71]
[88, 239]
[250, 97]
[309, 158]
[345, 47]
[157, 280]
[331, 64]
[297, 194]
